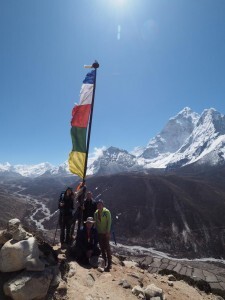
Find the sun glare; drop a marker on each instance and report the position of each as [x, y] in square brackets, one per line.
[118, 2]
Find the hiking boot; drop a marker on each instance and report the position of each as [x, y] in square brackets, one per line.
[107, 269]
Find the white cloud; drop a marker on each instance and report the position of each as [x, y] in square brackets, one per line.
[96, 154]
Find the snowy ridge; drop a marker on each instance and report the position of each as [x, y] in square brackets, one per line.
[33, 170]
[186, 138]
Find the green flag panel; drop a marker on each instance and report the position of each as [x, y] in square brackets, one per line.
[78, 136]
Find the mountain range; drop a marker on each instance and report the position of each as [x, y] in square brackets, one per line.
[187, 139]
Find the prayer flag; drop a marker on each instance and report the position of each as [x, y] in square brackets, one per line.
[79, 124]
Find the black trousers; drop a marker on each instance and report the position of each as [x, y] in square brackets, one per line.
[80, 253]
[78, 216]
[65, 223]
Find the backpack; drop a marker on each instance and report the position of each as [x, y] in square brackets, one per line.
[61, 198]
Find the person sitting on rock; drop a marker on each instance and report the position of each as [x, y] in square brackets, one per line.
[66, 206]
[86, 245]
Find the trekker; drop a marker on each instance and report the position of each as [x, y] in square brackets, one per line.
[79, 207]
[102, 218]
[90, 206]
[66, 214]
[86, 245]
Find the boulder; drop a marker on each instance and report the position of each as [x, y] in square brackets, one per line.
[17, 231]
[153, 291]
[29, 285]
[4, 237]
[129, 264]
[171, 277]
[126, 285]
[19, 255]
[137, 290]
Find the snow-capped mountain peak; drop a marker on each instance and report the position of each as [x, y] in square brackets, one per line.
[113, 160]
[186, 112]
[206, 142]
[211, 117]
[173, 135]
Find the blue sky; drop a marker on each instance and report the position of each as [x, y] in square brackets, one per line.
[155, 56]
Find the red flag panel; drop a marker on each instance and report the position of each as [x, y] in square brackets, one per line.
[80, 115]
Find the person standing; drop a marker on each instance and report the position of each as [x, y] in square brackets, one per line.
[89, 206]
[79, 207]
[66, 215]
[102, 218]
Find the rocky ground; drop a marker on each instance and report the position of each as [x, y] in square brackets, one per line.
[137, 273]
[84, 283]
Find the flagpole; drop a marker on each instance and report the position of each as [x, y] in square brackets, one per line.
[95, 65]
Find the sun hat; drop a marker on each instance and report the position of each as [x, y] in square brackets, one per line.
[89, 220]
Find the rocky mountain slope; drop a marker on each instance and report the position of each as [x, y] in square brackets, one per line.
[11, 205]
[182, 215]
[178, 213]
